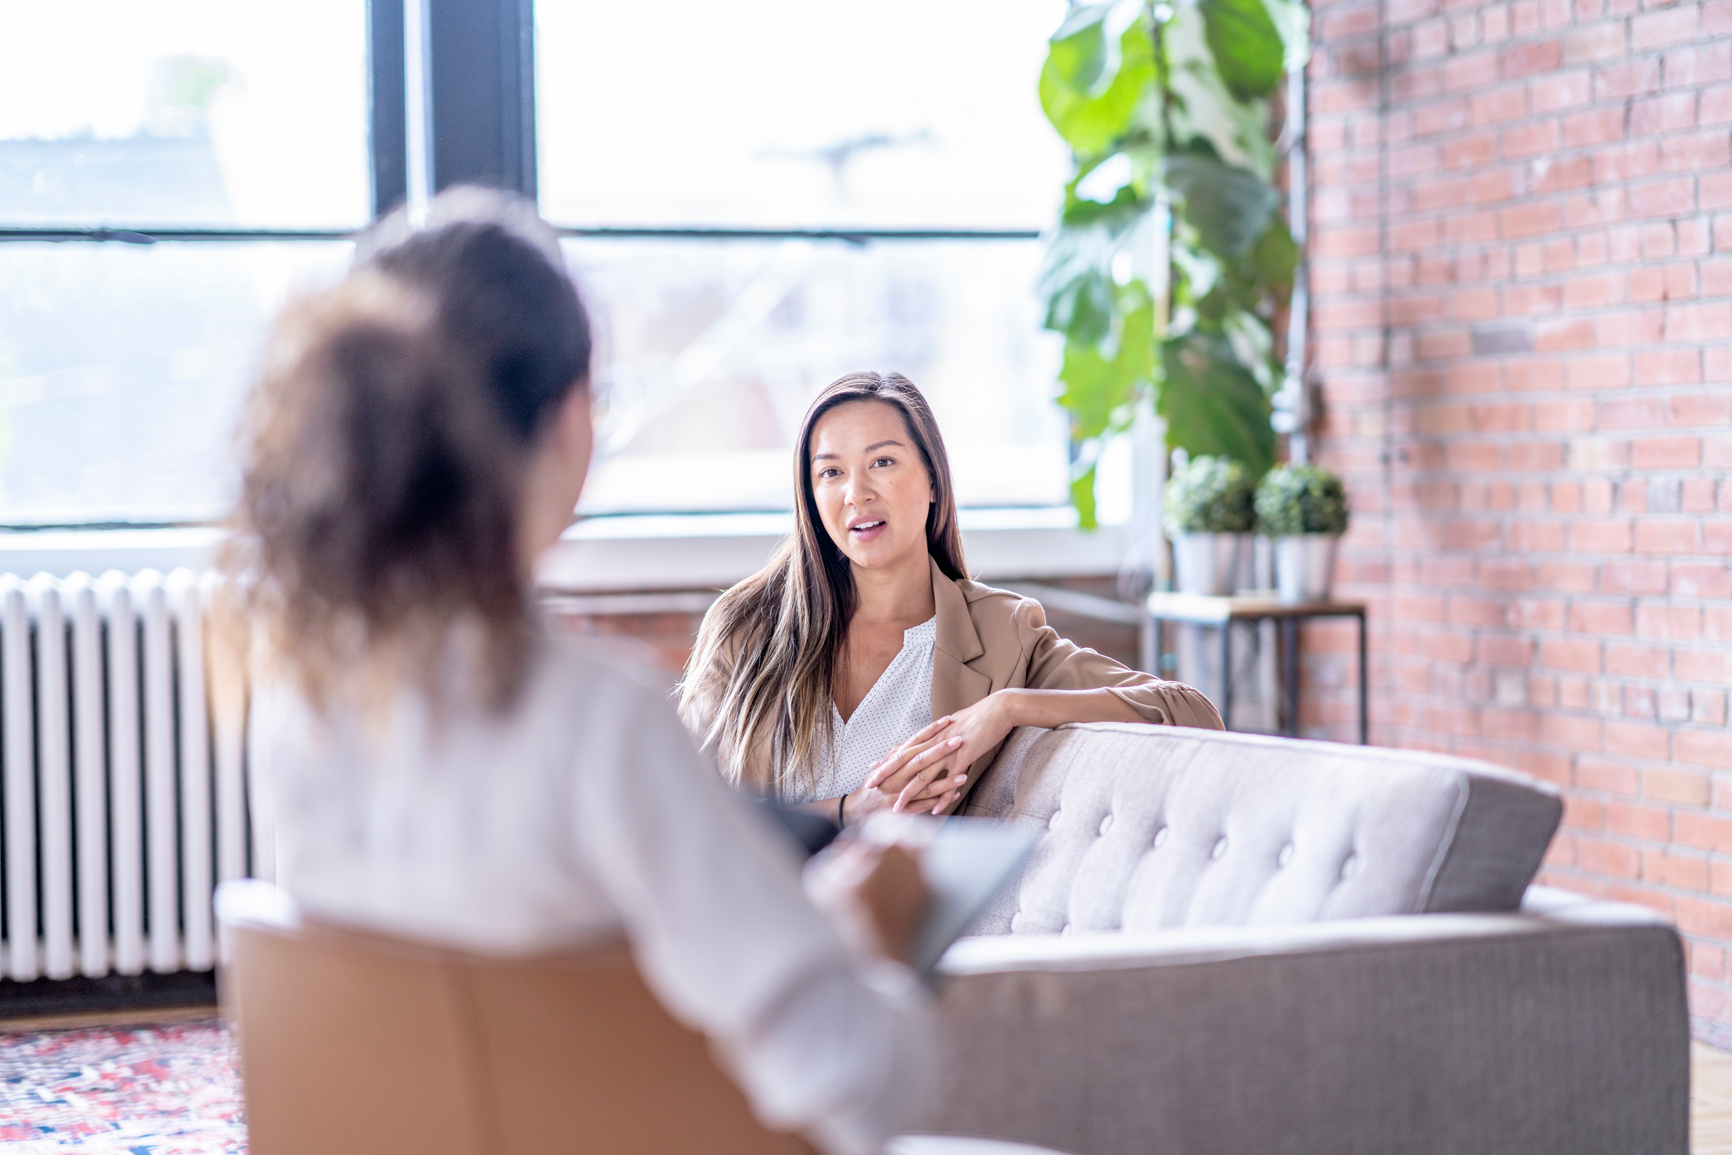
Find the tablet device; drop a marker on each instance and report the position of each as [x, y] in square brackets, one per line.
[966, 861]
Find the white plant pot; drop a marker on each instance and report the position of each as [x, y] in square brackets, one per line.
[1206, 563]
[1305, 567]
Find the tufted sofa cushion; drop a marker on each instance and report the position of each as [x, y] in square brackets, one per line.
[1153, 826]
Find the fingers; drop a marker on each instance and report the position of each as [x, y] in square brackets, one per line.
[925, 787]
[898, 776]
[929, 732]
[897, 759]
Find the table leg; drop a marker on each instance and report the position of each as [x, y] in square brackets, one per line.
[1227, 675]
[1290, 672]
[1364, 688]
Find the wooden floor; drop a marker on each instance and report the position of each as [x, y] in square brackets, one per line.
[1710, 1100]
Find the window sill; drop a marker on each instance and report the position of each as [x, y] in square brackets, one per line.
[604, 554]
[713, 551]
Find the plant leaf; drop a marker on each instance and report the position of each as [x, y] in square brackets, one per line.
[1076, 272]
[1091, 115]
[1229, 207]
[1294, 21]
[1082, 498]
[1101, 382]
[1082, 309]
[1212, 404]
[1246, 45]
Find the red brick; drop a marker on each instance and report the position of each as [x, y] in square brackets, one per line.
[1703, 831]
[1596, 42]
[1662, 198]
[1696, 495]
[1704, 748]
[1564, 654]
[1701, 581]
[1696, 916]
[1600, 617]
[1596, 536]
[1668, 26]
[1682, 787]
[1666, 452]
[1632, 820]
[1668, 367]
[1683, 871]
[1633, 577]
[1666, 537]
[1700, 409]
[1713, 666]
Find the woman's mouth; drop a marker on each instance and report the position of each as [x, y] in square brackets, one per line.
[866, 530]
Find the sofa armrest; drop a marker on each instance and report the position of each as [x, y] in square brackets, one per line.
[1530, 1034]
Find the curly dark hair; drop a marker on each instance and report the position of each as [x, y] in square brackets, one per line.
[384, 447]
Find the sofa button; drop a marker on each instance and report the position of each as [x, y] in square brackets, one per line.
[1052, 823]
[1219, 848]
[1016, 923]
[1066, 929]
[1349, 865]
[1160, 837]
[1106, 823]
[1285, 856]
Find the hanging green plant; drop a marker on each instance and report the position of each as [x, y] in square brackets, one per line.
[1170, 261]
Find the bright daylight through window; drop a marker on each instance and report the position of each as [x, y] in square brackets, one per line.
[121, 365]
[792, 190]
[795, 115]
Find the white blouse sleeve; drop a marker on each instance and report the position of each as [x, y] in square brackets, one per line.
[823, 1042]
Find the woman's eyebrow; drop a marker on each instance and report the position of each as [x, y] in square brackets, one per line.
[868, 449]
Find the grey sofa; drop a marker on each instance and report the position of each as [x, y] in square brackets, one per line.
[1228, 943]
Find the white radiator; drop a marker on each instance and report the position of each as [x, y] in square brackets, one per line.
[123, 793]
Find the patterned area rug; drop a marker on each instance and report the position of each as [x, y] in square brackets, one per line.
[162, 1090]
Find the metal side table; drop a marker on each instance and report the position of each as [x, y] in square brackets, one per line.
[1221, 612]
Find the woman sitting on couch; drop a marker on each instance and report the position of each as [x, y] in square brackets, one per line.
[862, 669]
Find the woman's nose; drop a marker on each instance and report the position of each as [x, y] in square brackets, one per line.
[858, 490]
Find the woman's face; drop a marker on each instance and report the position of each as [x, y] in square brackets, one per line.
[871, 487]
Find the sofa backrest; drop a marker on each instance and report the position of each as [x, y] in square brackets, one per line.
[1145, 827]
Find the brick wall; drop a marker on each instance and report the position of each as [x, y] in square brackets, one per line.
[1522, 272]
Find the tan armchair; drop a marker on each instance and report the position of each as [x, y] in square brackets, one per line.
[359, 1044]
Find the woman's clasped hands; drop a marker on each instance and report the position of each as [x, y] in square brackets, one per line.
[926, 773]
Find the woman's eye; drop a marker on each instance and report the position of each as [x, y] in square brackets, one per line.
[885, 461]
[828, 472]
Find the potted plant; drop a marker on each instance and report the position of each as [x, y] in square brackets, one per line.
[1209, 510]
[1304, 510]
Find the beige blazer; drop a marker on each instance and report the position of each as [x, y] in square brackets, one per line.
[991, 639]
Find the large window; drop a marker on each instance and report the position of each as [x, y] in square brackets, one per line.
[121, 364]
[810, 187]
[758, 198]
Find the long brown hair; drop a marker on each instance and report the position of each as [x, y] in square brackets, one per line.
[384, 448]
[761, 677]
